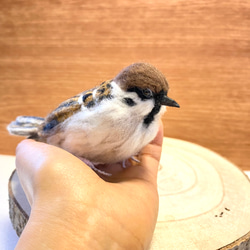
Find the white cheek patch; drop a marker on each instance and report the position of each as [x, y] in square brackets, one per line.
[133, 96]
[140, 108]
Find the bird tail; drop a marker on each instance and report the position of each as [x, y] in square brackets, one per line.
[25, 126]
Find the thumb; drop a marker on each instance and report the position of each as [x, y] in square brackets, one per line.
[150, 156]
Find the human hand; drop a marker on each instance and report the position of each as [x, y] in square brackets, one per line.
[73, 208]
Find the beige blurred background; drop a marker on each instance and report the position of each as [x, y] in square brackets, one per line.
[52, 50]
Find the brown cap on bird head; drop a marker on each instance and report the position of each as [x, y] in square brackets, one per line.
[145, 76]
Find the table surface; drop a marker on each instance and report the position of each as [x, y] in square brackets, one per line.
[8, 237]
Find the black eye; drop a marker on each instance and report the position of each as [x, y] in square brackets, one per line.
[130, 102]
[147, 93]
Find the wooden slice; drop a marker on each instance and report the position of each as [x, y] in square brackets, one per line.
[19, 208]
[204, 201]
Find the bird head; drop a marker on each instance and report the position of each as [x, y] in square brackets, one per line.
[149, 84]
[147, 81]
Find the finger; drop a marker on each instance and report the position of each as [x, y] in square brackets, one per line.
[26, 167]
[150, 156]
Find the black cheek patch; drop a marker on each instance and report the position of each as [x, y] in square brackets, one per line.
[150, 117]
[130, 102]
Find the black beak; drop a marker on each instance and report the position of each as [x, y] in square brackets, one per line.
[167, 101]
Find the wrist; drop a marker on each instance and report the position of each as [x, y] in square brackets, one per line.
[46, 230]
[64, 227]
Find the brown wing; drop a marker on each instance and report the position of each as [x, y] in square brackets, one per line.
[61, 113]
[71, 106]
[64, 110]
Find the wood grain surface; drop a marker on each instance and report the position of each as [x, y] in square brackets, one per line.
[51, 50]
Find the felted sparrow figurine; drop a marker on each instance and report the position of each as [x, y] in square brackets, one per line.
[109, 123]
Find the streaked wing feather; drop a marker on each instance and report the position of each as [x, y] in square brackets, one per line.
[72, 105]
[62, 112]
